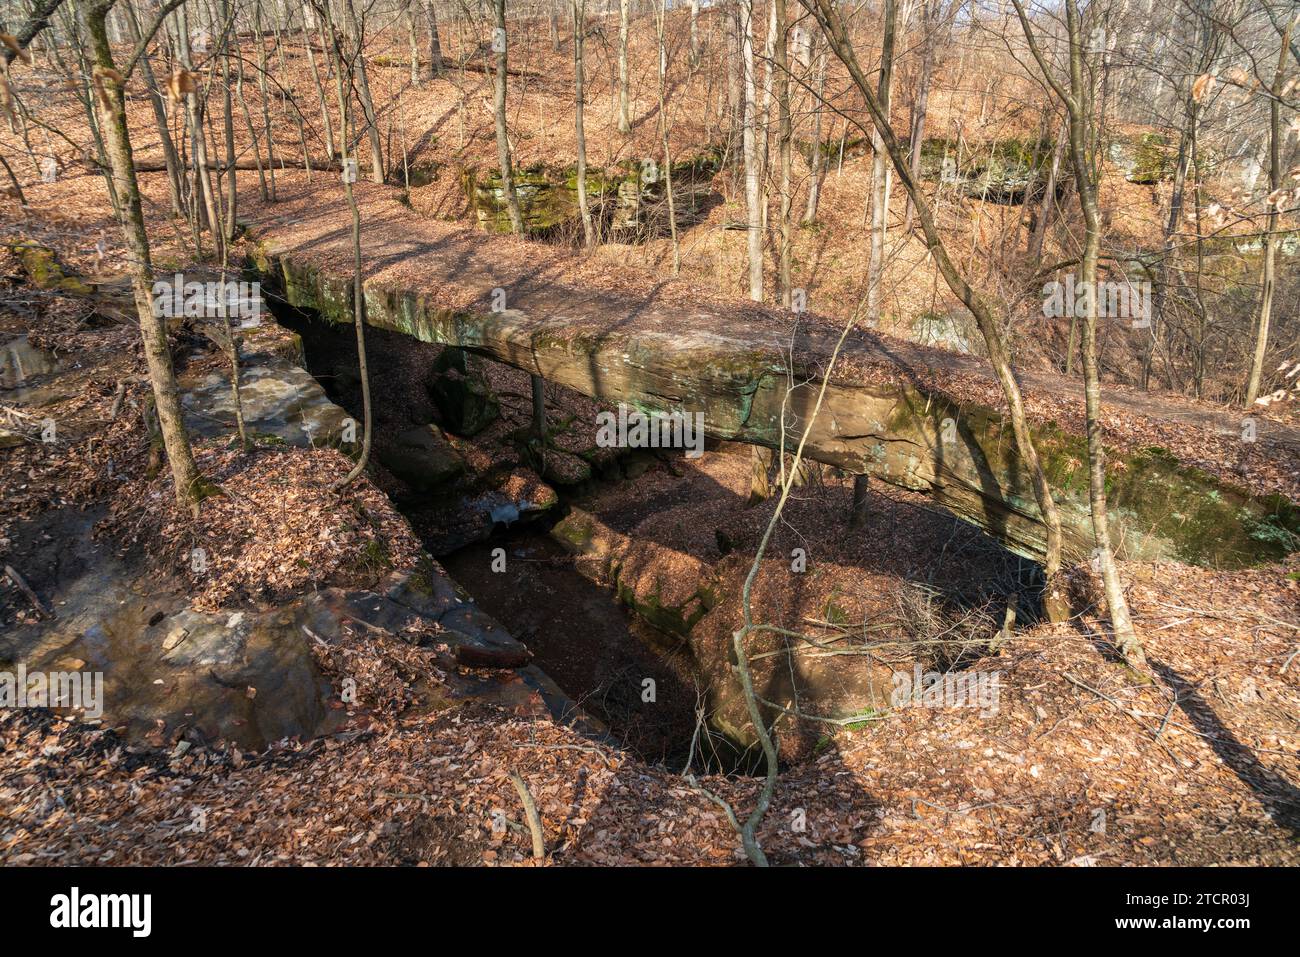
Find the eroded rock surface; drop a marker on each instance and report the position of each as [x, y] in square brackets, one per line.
[246, 676]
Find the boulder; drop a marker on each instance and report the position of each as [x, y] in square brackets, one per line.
[564, 468]
[423, 459]
[668, 588]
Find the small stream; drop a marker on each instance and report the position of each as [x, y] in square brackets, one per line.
[586, 640]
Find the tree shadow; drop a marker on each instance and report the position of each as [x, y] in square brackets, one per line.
[1281, 798]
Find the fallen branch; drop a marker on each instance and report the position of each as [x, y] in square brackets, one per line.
[1129, 713]
[1236, 613]
[23, 587]
[530, 813]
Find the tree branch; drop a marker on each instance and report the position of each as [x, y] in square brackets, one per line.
[40, 19]
[147, 36]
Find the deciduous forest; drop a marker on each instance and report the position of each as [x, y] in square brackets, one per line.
[630, 432]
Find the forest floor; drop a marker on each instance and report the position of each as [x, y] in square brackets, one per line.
[1079, 766]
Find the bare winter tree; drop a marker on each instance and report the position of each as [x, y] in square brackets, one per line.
[579, 108]
[981, 308]
[189, 486]
[880, 174]
[1078, 99]
[753, 175]
[499, 112]
[1276, 197]
[624, 96]
[435, 43]
[344, 62]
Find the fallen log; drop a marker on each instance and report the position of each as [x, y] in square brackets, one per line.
[23, 587]
[158, 166]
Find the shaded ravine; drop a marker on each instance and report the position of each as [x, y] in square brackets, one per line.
[641, 684]
[636, 680]
[588, 606]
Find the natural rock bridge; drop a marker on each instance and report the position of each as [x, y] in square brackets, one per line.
[915, 417]
[1180, 478]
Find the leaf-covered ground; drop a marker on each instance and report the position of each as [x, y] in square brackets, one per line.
[1080, 766]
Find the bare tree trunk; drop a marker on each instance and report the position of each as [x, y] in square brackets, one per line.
[320, 96]
[1080, 107]
[172, 161]
[624, 105]
[818, 151]
[1168, 250]
[735, 72]
[263, 186]
[413, 41]
[920, 106]
[357, 27]
[753, 193]
[1270, 232]
[663, 133]
[880, 176]
[764, 128]
[579, 70]
[503, 138]
[228, 119]
[860, 510]
[265, 96]
[784, 134]
[194, 111]
[695, 34]
[153, 327]
[285, 100]
[539, 408]
[435, 45]
[1206, 50]
[1043, 220]
[358, 285]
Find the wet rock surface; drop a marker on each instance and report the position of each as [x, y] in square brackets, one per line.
[279, 398]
